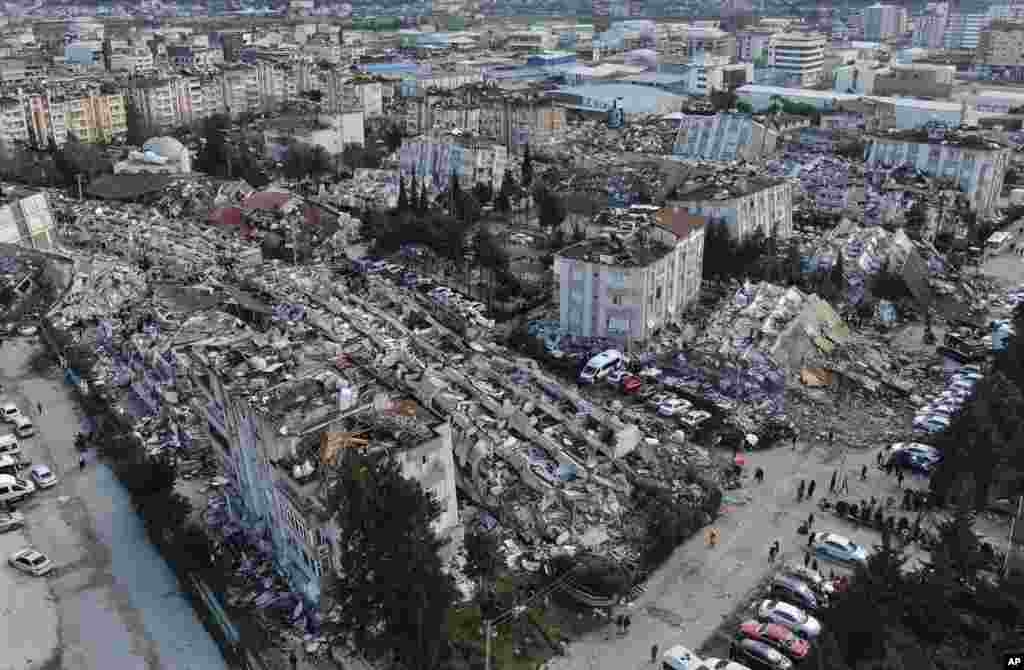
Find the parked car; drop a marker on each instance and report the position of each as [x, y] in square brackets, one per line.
[616, 376]
[679, 658]
[790, 616]
[27, 330]
[9, 445]
[812, 578]
[43, 476]
[9, 412]
[631, 384]
[694, 418]
[658, 398]
[839, 549]
[932, 423]
[795, 591]
[777, 636]
[757, 654]
[13, 489]
[674, 407]
[914, 455]
[30, 561]
[712, 663]
[11, 521]
[23, 427]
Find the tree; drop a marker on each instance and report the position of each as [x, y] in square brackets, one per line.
[484, 553]
[403, 199]
[837, 276]
[424, 204]
[744, 108]
[527, 173]
[391, 588]
[719, 249]
[393, 138]
[138, 130]
[551, 211]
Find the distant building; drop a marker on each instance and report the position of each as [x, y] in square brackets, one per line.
[745, 205]
[918, 80]
[752, 43]
[1002, 43]
[693, 41]
[627, 290]
[963, 31]
[978, 166]
[800, 56]
[723, 137]
[13, 122]
[929, 31]
[883, 22]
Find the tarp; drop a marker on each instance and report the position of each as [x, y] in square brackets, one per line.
[815, 377]
[228, 216]
[266, 200]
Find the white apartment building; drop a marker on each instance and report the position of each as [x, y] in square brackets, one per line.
[752, 43]
[241, 90]
[883, 22]
[798, 55]
[156, 101]
[744, 205]
[627, 291]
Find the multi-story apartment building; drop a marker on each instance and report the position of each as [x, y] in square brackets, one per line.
[798, 56]
[1002, 43]
[745, 205]
[156, 101]
[693, 41]
[724, 137]
[929, 31]
[883, 22]
[978, 166]
[345, 92]
[241, 89]
[276, 83]
[277, 449]
[963, 31]
[626, 290]
[433, 161]
[13, 121]
[131, 59]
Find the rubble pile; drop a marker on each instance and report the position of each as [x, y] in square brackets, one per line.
[368, 189]
[188, 198]
[644, 135]
[824, 180]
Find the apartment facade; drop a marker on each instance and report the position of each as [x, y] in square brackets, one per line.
[13, 121]
[800, 56]
[978, 168]
[241, 90]
[917, 80]
[627, 292]
[963, 31]
[696, 41]
[1002, 43]
[745, 206]
[883, 22]
[929, 31]
[752, 43]
[433, 161]
[27, 221]
[723, 137]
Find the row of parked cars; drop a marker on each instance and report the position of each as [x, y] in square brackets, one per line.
[936, 416]
[610, 367]
[472, 310]
[14, 488]
[782, 627]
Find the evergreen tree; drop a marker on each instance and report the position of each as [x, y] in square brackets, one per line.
[424, 202]
[391, 588]
[403, 200]
[837, 276]
[527, 167]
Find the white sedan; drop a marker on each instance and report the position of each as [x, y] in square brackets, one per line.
[31, 562]
[11, 521]
[674, 407]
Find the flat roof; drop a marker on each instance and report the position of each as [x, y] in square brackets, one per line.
[758, 89]
[620, 253]
[656, 78]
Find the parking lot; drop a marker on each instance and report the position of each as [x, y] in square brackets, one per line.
[110, 602]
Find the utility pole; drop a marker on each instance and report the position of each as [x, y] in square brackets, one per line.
[78, 177]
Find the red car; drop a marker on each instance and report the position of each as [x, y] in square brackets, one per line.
[777, 636]
[631, 384]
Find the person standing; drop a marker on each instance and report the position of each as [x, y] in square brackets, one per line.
[810, 521]
[773, 551]
[864, 473]
[807, 559]
[831, 437]
[794, 441]
[294, 659]
[625, 623]
[810, 489]
[654, 653]
[800, 492]
[879, 458]
[899, 478]
[845, 488]
[832, 483]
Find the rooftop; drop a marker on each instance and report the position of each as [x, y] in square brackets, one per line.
[722, 186]
[951, 138]
[617, 252]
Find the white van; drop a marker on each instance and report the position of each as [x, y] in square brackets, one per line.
[23, 427]
[599, 366]
[13, 489]
[9, 445]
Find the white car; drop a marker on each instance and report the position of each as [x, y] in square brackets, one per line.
[694, 418]
[790, 616]
[679, 658]
[658, 398]
[615, 376]
[674, 407]
[11, 521]
[9, 412]
[43, 476]
[27, 330]
[31, 562]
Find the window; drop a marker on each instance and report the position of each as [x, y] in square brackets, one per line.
[617, 300]
[657, 293]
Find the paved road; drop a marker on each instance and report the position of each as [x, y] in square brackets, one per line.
[112, 603]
